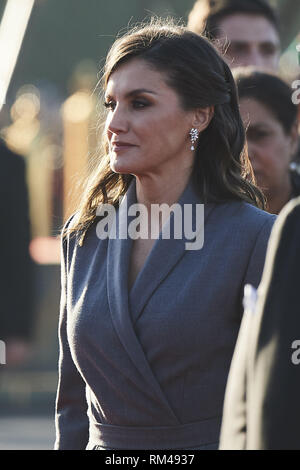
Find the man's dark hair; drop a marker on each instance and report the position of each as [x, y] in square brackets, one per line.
[206, 15]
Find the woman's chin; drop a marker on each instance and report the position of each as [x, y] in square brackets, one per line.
[122, 165]
[118, 167]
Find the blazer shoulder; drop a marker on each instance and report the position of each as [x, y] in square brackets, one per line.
[68, 237]
[70, 222]
[244, 218]
[255, 213]
[255, 219]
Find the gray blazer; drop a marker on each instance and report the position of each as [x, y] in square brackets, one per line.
[147, 369]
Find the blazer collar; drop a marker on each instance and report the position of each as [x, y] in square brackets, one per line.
[166, 253]
[126, 307]
[118, 258]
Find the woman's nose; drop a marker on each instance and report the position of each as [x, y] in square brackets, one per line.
[117, 121]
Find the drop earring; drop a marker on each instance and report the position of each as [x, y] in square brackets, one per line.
[194, 133]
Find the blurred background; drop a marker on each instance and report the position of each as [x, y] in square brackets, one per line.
[49, 119]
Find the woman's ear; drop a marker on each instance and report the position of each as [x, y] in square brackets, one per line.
[202, 117]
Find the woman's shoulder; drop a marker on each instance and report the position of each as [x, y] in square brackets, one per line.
[68, 225]
[256, 221]
[70, 222]
[242, 210]
[255, 214]
[69, 236]
[245, 217]
[75, 237]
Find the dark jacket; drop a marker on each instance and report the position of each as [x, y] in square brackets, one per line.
[15, 266]
[295, 179]
[262, 406]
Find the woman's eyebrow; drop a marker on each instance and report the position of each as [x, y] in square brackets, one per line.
[138, 91]
[135, 92]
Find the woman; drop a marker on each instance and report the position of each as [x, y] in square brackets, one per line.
[148, 326]
[270, 117]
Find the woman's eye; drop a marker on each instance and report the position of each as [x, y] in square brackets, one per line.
[135, 104]
[257, 135]
[110, 105]
[138, 104]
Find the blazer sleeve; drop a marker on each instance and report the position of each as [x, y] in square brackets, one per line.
[71, 420]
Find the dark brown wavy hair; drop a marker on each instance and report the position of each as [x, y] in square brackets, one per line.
[206, 15]
[201, 78]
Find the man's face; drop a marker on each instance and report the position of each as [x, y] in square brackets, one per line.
[252, 39]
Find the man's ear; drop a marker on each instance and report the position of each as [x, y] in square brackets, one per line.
[202, 117]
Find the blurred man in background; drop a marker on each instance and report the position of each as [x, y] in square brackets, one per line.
[247, 31]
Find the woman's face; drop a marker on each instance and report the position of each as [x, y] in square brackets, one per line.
[147, 129]
[270, 148]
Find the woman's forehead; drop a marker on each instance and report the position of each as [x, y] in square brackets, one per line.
[136, 74]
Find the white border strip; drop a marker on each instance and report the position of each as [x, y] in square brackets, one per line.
[12, 29]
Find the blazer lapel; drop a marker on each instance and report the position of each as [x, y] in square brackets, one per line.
[117, 286]
[164, 256]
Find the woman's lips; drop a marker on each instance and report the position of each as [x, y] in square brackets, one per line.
[121, 146]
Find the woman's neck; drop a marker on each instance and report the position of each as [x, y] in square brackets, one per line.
[157, 190]
[152, 191]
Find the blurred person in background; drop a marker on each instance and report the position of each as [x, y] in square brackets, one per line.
[147, 327]
[262, 406]
[270, 118]
[16, 316]
[246, 31]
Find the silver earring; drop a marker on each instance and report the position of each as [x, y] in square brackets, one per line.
[194, 133]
